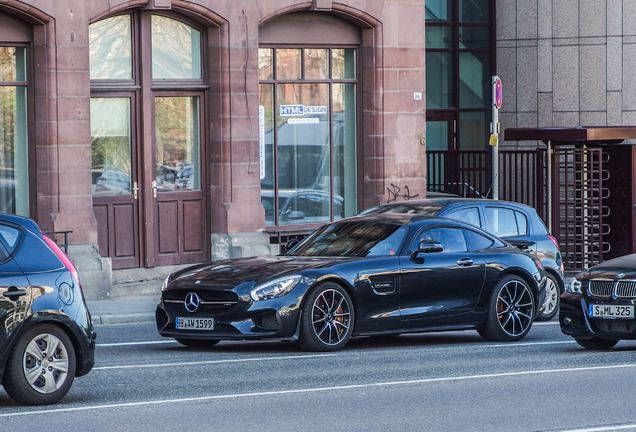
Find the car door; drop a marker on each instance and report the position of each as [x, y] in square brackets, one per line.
[436, 287]
[15, 293]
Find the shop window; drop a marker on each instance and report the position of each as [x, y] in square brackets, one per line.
[14, 167]
[308, 134]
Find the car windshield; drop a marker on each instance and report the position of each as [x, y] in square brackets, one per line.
[353, 239]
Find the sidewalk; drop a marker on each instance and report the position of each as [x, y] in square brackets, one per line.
[124, 310]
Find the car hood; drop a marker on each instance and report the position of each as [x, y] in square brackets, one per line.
[609, 269]
[229, 273]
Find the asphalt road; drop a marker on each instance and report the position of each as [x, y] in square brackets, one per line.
[426, 382]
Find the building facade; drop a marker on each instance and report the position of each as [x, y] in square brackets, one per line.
[163, 132]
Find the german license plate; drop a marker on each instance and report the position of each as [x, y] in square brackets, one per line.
[611, 311]
[194, 323]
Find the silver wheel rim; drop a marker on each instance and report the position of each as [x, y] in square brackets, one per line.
[551, 297]
[45, 363]
[331, 317]
[515, 308]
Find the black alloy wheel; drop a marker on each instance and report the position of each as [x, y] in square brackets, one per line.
[552, 299]
[327, 318]
[510, 312]
[41, 367]
[197, 343]
[596, 343]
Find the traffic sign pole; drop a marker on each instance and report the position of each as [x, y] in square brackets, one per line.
[494, 133]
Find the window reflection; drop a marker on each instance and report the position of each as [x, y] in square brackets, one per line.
[176, 49]
[316, 63]
[288, 64]
[177, 144]
[110, 49]
[111, 146]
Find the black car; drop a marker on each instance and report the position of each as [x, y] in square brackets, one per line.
[46, 333]
[516, 223]
[598, 308]
[365, 275]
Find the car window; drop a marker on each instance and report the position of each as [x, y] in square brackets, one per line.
[10, 235]
[451, 239]
[502, 221]
[476, 241]
[470, 215]
[522, 222]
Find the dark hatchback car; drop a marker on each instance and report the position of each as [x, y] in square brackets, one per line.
[365, 275]
[46, 333]
[599, 306]
[516, 223]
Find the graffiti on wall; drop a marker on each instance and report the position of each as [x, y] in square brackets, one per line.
[395, 192]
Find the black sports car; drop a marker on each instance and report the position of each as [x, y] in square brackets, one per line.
[365, 275]
[599, 306]
[46, 333]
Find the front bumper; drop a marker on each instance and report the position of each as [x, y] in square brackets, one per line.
[268, 319]
[575, 322]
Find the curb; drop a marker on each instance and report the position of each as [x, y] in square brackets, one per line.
[134, 318]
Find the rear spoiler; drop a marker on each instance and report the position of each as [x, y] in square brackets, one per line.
[521, 244]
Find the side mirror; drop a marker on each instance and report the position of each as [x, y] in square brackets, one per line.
[427, 246]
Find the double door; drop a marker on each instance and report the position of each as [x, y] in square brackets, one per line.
[147, 179]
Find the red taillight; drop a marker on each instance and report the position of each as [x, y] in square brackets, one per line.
[64, 258]
[554, 240]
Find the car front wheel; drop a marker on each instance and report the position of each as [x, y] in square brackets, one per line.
[596, 343]
[327, 318]
[41, 367]
[552, 299]
[510, 312]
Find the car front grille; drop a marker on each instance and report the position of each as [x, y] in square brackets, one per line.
[212, 302]
[607, 288]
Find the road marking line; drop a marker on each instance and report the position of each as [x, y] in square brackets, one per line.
[136, 343]
[600, 428]
[214, 362]
[315, 390]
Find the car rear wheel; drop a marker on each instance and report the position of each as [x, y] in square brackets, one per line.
[596, 343]
[552, 299]
[41, 367]
[327, 318]
[197, 343]
[510, 312]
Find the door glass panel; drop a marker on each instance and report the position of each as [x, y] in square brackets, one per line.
[12, 64]
[344, 150]
[110, 49]
[177, 143]
[111, 146]
[176, 49]
[303, 152]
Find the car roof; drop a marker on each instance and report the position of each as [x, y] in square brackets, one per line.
[405, 219]
[447, 201]
[19, 220]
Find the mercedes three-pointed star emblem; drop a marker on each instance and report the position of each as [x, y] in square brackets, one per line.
[192, 302]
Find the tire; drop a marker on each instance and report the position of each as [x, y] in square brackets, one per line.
[327, 318]
[41, 368]
[510, 311]
[552, 299]
[197, 343]
[596, 343]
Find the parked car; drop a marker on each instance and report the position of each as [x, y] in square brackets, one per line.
[516, 223]
[46, 333]
[598, 308]
[365, 275]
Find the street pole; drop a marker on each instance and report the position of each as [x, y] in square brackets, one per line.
[494, 133]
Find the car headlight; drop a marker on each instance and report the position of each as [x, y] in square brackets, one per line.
[165, 284]
[574, 287]
[274, 289]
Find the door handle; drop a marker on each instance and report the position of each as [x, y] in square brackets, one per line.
[135, 190]
[154, 188]
[14, 292]
[465, 262]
